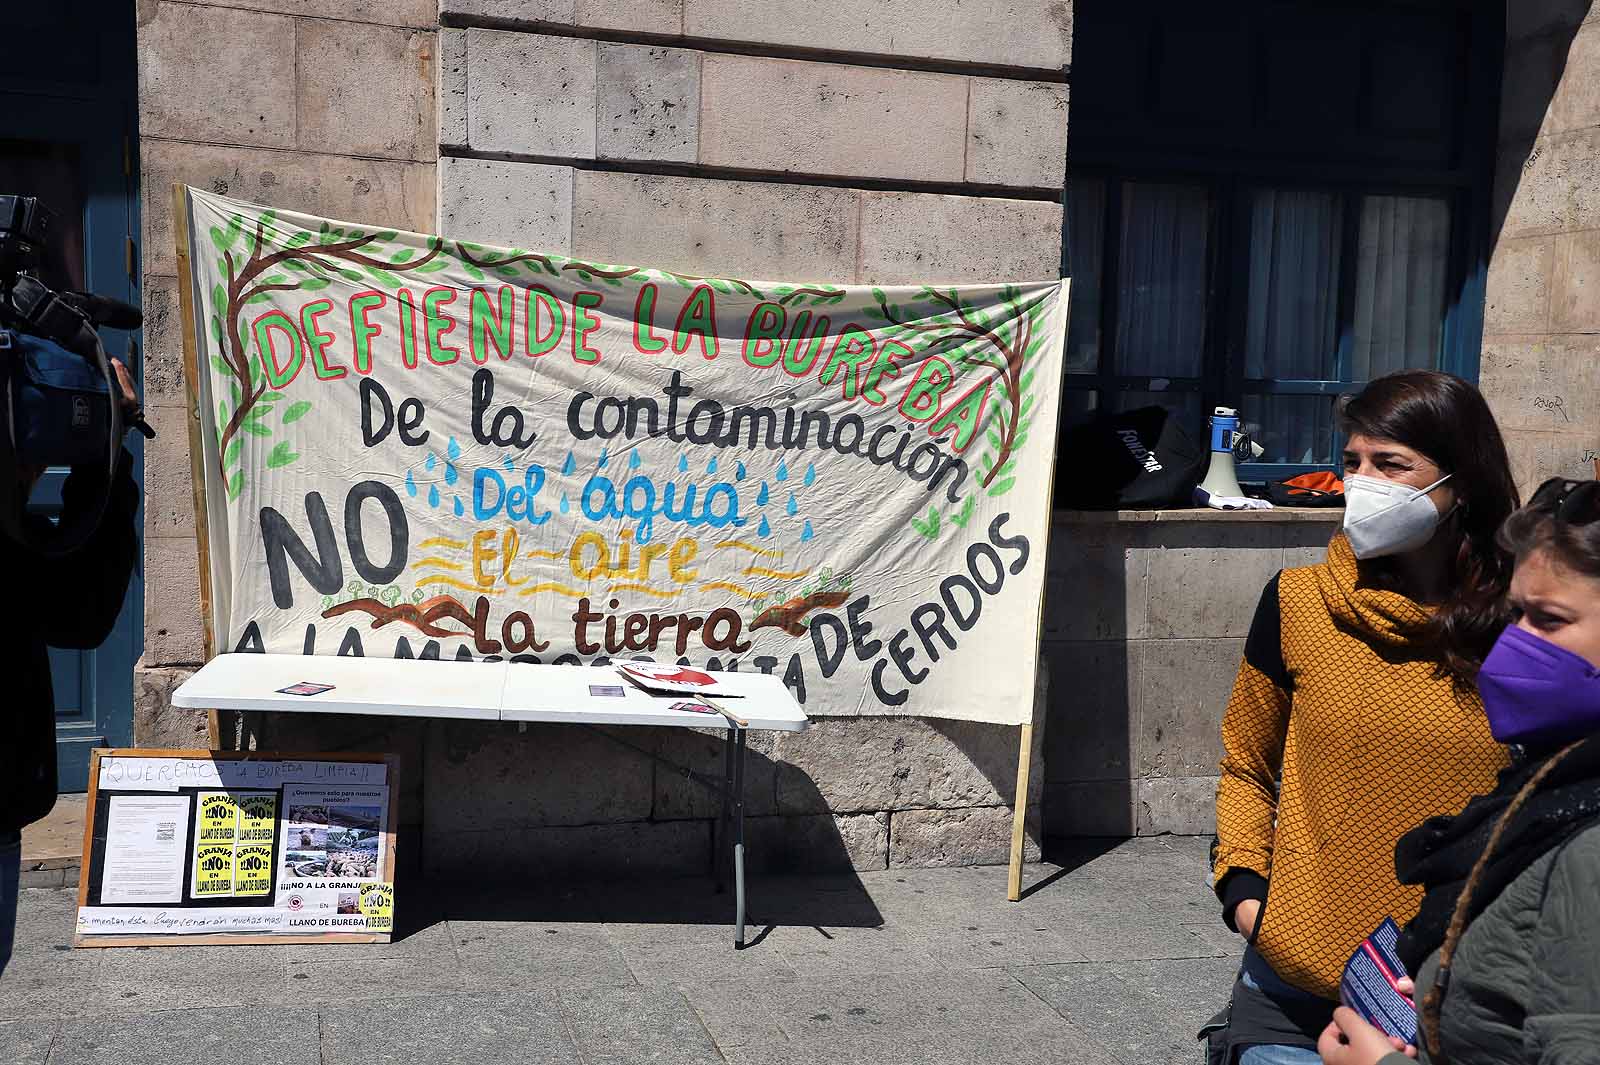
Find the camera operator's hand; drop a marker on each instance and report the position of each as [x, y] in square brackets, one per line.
[130, 401]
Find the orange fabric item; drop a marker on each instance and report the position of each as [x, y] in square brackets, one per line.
[1321, 481]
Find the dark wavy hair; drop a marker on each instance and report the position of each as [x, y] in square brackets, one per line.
[1573, 541]
[1446, 419]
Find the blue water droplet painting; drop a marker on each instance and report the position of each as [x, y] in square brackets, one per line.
[565, 506]
[792, 506]
[454, 450]
[806, 533]
[683, 464]
[738, 471]
[764, 529]
[783, 470]
[811, 474]
[761, 496]
[605, 457]
[634, 461]
[411, 485]
[568, 466]
[451, 476]
[711, 467]
[433, 495]
[460, 510]
[431, 461]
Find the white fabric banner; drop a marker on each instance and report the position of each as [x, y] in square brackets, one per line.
[421, 447]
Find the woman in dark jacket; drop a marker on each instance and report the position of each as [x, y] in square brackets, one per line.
[1506, 946]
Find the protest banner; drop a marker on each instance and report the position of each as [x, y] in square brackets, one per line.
[416, 446]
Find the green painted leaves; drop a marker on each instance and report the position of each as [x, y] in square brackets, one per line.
[282, 455]
[928, 526]
[223, 238]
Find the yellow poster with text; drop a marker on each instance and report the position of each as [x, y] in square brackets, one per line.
[218, 819]
[252, 869]
[213, 871]
[258, 813]
[377, 906]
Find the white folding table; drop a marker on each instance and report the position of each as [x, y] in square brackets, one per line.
[505, 691]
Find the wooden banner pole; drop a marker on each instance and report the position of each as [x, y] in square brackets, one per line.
[191, 384]
[1019, 814]
[1019, 810]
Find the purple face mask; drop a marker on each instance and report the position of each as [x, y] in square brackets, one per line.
[1536, 692]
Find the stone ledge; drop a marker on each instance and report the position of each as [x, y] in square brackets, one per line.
[1279, 515]
[59, 877]
[958, 837]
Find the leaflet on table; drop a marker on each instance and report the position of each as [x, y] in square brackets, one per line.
[1369, 985]
[171, 774]
[672, 679]
[330, 833]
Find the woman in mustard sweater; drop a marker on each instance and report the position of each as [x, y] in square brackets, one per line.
[1356, 692]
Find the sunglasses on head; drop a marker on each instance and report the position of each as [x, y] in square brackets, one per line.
[1574, 502]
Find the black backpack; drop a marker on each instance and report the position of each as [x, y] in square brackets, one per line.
[1129, 460]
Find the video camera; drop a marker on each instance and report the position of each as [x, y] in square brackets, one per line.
[60, 401]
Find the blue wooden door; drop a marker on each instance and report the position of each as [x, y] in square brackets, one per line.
[67, 135]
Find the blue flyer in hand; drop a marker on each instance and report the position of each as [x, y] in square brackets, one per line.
[1368, 985]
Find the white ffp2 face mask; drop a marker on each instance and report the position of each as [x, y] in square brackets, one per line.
[1387, 517]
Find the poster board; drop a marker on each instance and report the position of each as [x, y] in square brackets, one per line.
[213, 847]
[564, 461]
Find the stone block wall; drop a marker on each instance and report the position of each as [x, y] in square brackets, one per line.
[319, 105]
[884, 145]
[1146, 614]
[1541, 350]
[890, 144]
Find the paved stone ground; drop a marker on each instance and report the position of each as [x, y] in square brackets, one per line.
[1116, 956]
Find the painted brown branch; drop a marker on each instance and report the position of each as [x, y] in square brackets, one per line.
[393, 268]
[1010, 374]
[423, 617]
[806, 291]
[240, 290]
[601, 271]
[494, 264]
[787, 615]
[259, 289]
[743, 286]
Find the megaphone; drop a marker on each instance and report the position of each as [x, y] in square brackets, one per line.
[1220, 477]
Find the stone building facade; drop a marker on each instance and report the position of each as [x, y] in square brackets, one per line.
[879, 142]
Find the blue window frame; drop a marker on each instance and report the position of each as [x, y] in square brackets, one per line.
[1271, 203]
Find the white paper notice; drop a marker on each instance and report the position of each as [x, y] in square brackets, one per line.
[121, 920]
[146, 840]
[171, 774]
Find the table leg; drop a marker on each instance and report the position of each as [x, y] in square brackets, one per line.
[738, 844]
[725, 816]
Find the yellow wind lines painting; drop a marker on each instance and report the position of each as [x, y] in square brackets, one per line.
[645, 588]
[764, 552]
[442, 563]
[449, 582]
[551, 586]
[441, 541]
[737, 589]
[762, 571]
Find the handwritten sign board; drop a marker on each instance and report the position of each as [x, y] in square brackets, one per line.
[419, 447]
[237, 847]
